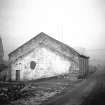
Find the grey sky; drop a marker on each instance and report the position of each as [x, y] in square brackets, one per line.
[78, 23]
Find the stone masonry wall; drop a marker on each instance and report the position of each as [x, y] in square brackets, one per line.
[47, 64]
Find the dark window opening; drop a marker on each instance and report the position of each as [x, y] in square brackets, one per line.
[32, 65]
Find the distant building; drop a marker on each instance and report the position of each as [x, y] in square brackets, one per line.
[43, 57]
[1, 51]
[3, 64]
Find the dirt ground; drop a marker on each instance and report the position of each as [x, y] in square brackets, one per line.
[90, 91]
[33, 92]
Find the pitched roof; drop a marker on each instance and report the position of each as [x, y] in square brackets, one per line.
[47, 41]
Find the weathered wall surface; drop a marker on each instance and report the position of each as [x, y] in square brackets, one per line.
[47, 64]
[83, 64]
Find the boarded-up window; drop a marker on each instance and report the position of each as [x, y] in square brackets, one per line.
[32, 65]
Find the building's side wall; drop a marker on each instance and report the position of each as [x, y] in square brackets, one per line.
[83, 65]
[87, 66]
[48, 64]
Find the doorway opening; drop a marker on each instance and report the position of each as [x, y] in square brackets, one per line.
[17, 75]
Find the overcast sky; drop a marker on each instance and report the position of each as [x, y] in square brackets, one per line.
[78, 23]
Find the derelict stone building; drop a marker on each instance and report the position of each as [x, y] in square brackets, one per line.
[43, 57]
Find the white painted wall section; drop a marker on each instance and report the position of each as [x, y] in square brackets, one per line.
[48, 64]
